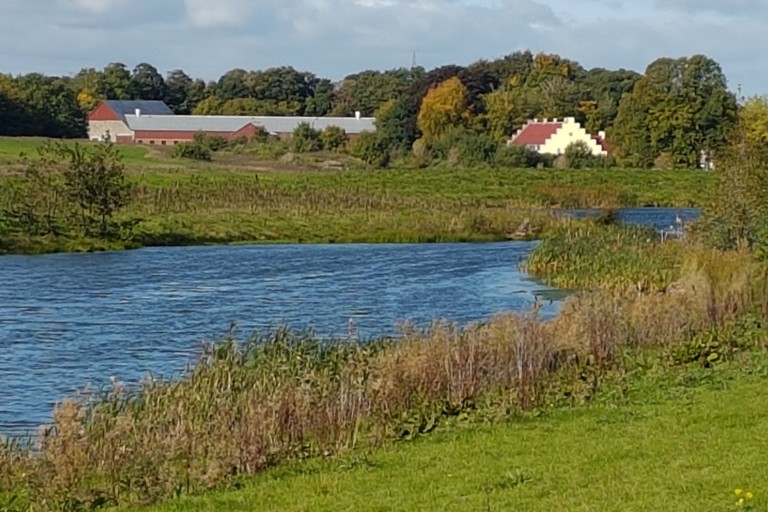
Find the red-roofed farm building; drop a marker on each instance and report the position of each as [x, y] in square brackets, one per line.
[152, 122]
[554, 136]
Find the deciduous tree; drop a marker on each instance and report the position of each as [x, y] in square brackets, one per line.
[444, 107]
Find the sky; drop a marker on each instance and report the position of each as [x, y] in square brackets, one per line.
[334, 38]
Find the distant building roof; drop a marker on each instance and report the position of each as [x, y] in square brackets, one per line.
[536, 133]
[230, 124]
[149, 107]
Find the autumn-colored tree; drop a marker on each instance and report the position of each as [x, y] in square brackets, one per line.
[444, 107]
[753, 117]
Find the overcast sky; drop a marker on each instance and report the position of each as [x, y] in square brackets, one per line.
[333, 38]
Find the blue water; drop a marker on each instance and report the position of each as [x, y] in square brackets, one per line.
[71, 320]
[657, 218]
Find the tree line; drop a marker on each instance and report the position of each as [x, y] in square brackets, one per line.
[669, 116]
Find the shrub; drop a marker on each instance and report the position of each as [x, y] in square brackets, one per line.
[306, 139]
[515, 157]
[463, 146]
[333, 138]
[192, 150]
[371, 149]
[579, 156]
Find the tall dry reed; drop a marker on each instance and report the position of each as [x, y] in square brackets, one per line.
[246, 407]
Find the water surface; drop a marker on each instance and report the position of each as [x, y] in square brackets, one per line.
[67, 320]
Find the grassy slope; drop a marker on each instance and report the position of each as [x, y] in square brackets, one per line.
[12, 147]
[182, 203]
[677, 442]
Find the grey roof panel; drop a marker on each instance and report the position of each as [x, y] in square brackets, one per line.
[272, 124]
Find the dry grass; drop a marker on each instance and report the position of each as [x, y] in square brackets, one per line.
[246, 407]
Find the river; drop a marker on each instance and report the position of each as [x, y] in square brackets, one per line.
[71, 320]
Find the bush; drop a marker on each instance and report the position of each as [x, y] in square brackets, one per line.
[579, 156]
[306, 139]
[515, 157]
[333, 138]
[192, 150]
[464, 146]
[216, 143]
[371, 149]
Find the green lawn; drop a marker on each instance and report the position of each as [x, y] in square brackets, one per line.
[12, 147]
[677, 442]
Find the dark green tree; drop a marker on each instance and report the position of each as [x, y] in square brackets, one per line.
[177, 87]
[147, 83]
[117, 82]
[687, 107]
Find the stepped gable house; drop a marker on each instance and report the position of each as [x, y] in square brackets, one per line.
[153, 122]
[553, 136]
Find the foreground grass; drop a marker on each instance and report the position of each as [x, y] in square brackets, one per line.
[676, 441]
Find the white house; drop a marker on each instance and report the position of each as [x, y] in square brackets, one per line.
[553, 136]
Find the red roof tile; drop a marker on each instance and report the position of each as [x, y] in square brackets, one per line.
[536, 134]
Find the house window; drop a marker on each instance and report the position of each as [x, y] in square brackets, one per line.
[162, 143]
[151, 142]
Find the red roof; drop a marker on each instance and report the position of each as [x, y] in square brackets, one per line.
[602, 142]
[536, 134]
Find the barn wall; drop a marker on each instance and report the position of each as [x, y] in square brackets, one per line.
[98, 129]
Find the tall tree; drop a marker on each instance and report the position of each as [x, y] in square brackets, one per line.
[147, 83]
[177, 85]
[117, 82]
[631, 136]
[234, 84]
[445, 107]
[688, 106]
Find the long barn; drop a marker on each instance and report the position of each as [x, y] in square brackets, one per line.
[153, 122]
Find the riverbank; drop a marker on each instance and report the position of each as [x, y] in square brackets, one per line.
[679, 440]
[213, 205]
[248, 408]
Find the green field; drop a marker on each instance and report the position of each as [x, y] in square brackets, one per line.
[177, 202]
[681, 441]
[11, 148]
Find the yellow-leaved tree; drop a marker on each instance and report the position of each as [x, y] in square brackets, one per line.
[445, 106]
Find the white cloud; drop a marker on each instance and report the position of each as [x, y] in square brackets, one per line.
[333, 38]
[217, 13]
[96, 6]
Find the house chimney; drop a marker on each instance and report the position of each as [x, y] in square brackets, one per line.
[138, 112]
[357, 115]
[601, 134]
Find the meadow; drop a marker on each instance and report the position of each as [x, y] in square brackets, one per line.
[230, 200]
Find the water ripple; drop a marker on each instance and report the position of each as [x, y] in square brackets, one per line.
[70, 320]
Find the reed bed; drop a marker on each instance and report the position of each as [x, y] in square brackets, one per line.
[248, 406]
[586, 255]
